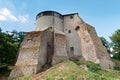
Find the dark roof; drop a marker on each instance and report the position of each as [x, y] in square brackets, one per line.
[53, 13]
[70, 14]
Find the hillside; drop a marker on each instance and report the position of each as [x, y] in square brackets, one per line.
[72, 70]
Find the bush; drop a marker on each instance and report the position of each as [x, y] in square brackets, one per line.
[93, 67]
[76, 61]
[90, 65]
[116, 68]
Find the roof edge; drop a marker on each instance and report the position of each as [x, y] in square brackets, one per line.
[70, 14]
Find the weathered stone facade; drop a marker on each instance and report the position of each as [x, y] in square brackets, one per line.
[56, 38]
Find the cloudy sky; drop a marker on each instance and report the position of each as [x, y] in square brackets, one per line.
[20, 15]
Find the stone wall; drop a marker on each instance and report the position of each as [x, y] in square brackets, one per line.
[92, 48]
[49, 21]
[33, 53]
[88, 49]
[72, 37]
[43, 56]
[28, 55]
[60, 52]
[101, 52]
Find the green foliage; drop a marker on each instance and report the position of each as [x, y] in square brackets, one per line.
[9, 44]
[76, 61]
[106, 44]
[93, 67]
[116, 68]
[115, 38]
[90, 65]
[27, 77]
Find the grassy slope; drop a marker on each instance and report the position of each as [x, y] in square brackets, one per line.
[68, 70]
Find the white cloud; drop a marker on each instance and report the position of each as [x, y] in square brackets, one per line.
[5, 14]
[2, 18]
[23, 18]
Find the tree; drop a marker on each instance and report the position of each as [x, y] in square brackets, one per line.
[9, 45]
[0, 30]
[106, 44]
[115, 38]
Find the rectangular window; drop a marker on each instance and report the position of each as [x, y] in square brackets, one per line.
[71, 48]
[69, 31]
[71, 17]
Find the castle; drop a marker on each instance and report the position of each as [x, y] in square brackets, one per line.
[58, 37]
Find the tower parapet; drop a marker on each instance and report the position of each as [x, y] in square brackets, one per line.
[47, 19]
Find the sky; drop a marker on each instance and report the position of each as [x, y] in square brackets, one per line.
[20, 15]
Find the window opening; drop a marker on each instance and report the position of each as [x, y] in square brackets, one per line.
[69, 31]
[77, 28]
[49, 47]
[72, 50]
[71, 17]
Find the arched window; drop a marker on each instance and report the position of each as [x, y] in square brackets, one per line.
[77, 28]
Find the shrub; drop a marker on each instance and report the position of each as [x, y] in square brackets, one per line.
[116, 68]
[93, 67]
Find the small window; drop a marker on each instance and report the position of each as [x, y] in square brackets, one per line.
[69, 31]
[50, 27]
[49, 47]
[71, 48]
[71, 17]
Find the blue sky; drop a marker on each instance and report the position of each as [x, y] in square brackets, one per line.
[20, 15]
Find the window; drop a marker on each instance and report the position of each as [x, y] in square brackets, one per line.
[50, 27]
[77, 28]
[71, 48]
[49, 47]
[71, 17]
[69, 31]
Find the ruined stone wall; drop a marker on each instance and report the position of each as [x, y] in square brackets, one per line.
[46, 38]
[32, 53]
[28, 55]
[101, 52]
[88, 48]
[92, 48]
[60, 52]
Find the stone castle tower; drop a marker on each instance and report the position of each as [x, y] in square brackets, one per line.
[58, 37]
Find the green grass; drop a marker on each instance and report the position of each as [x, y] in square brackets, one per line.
[71, 70]
[68, 71]
[27, 77]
